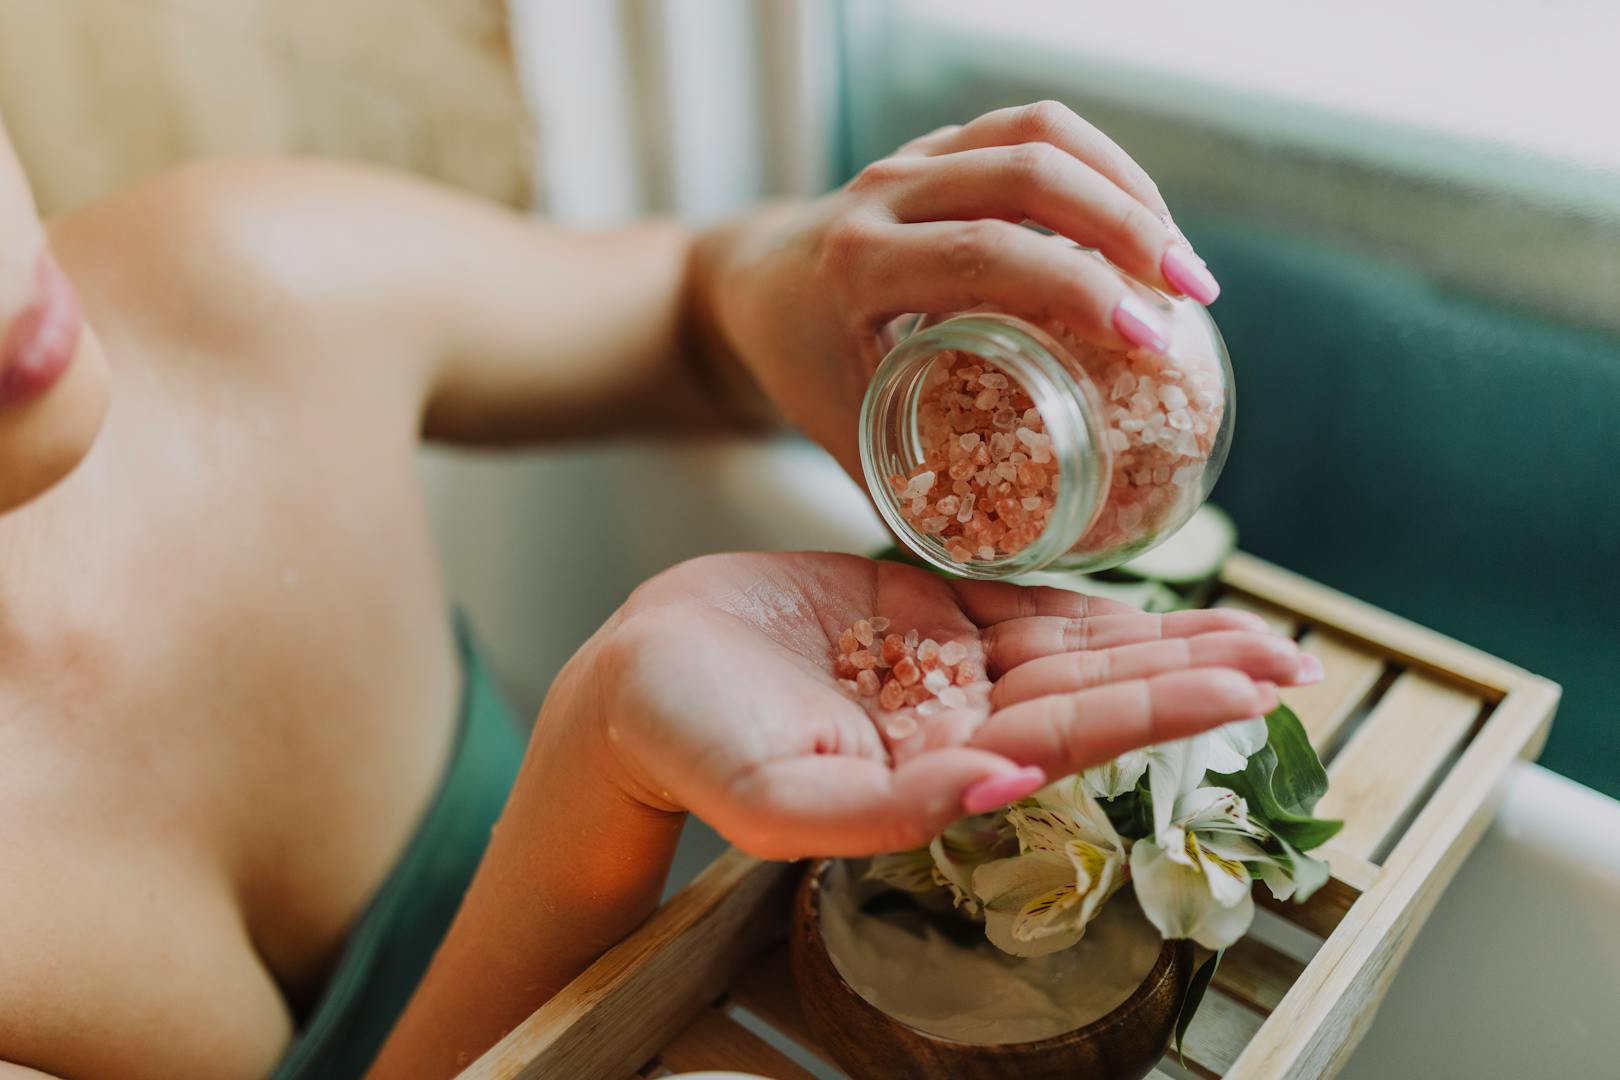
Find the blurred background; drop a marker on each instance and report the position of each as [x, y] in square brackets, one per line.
[1413, 207]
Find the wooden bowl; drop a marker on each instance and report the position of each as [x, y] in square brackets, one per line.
[872, 1045]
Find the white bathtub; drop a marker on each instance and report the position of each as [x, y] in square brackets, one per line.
[1514, 975]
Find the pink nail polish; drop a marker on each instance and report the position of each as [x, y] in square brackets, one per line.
[1188, 273]
[1000, 790]
[1140, 325]
[1310, 670]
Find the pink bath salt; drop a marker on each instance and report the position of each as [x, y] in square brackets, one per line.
[850, 689]
[862, 659]
[894, 650]
[892, 696]
[928, 654]
[867, 683]
[847, 642]
[907, 671]
[952, 653]
[969, 672]
[863, 632]
[980, 428]
[952, 697]
[936, 680]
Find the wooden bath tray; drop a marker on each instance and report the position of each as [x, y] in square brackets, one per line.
[1416, 731]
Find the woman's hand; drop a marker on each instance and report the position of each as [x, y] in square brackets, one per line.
[714, 692]
[799, 292]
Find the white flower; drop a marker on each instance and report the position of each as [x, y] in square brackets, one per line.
[1115, 778]
[912, 871]
[1191, 875]
[963, 847]
[1231, 744]
[1071, 860]
[1225, 749]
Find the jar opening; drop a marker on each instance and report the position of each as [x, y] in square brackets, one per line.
[893, 443]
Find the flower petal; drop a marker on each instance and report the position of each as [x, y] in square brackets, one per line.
[1115, 778]
[1057, 817]
[1009, 884]
[1226, 879]
[1173, 896]
[1174, 770]
[1223, 926]
[1030, 904]
[1177, 900]
[1211, 809]
[966, 844]
[1231, 744]
[912, 871]
[998, 928]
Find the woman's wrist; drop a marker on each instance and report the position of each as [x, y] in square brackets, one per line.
[582, 727]
[717, 255]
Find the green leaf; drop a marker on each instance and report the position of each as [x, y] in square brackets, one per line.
[1285, 813]
[1131, 813]
[1194, 997]
[1299, 780]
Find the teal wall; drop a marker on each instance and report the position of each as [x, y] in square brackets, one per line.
[1445, 459]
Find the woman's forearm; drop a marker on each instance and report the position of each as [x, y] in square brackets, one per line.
[574, 865]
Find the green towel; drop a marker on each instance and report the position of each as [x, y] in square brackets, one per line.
[390, 946]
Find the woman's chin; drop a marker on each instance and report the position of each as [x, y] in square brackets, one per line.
[44, 439]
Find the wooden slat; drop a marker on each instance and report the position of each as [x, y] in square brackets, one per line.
[1356, 873]
[1406, 641]
[1311, 1034]
[614, 1017]
[1276, 618]
[766, 990]
[715, 1041]
[1391, 761]
[1350, 672]
[1256, 974]
[1326, 908]
[1218, 1033]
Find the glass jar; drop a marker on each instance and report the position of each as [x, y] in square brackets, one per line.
[1076, 458]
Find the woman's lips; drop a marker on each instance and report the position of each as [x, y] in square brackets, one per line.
[43, 337]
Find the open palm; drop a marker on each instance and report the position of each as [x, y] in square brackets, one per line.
[720, 698]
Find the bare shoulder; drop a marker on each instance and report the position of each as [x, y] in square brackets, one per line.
[261, 261]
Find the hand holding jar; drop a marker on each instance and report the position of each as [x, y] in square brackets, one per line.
[801, 292]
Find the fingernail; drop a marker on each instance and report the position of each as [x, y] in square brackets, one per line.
[1000, 790]
[1310, 670]
[1188, 273]
[1267, 693]
[1140, 325]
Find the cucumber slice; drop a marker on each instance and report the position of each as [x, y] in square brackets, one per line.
[1147, 595]
[1195, 552]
